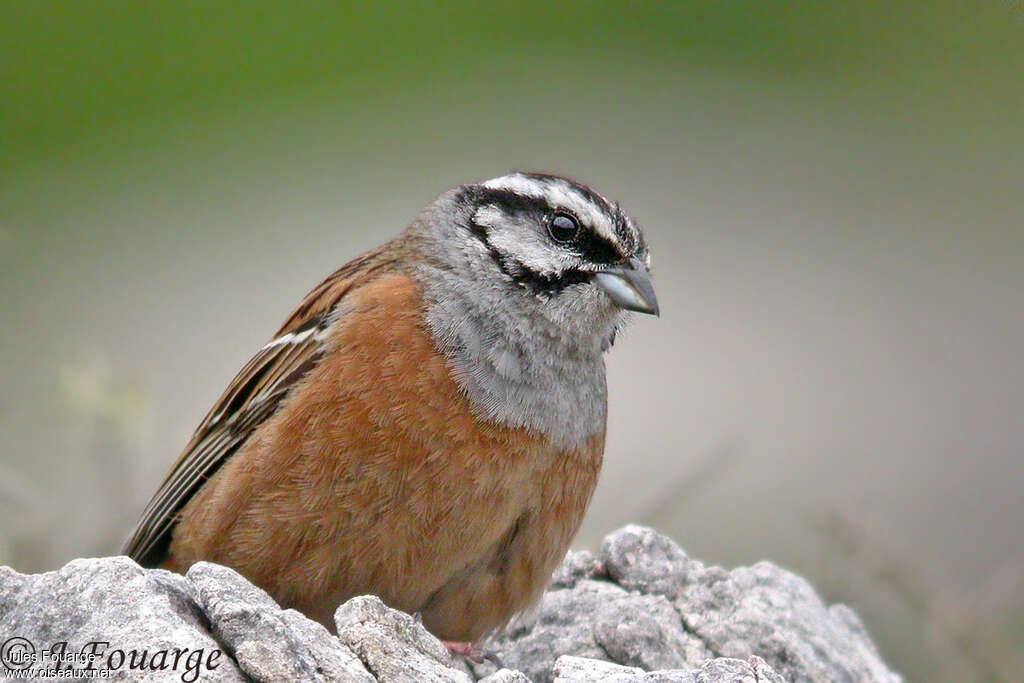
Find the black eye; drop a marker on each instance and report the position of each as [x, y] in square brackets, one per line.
[563, 228]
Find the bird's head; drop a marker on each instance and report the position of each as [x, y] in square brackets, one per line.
[548, 245]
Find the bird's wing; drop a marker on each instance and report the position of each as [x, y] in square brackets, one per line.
[252, 397]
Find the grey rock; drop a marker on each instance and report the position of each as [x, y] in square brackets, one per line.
[639, 610]
[268, 643]
[642, 560]
[570, 669]
[643, 603]
[600, 620]
[506, 676]
[577, 565]
[116, 602]
[726, 670]
[393, 645]
[766, 611]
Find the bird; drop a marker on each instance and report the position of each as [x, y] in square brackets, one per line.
[428, 424]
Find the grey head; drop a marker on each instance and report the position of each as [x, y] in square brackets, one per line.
[528, 278]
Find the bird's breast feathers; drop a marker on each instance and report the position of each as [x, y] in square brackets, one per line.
[376, 475]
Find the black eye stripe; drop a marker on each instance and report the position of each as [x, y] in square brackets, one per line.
[591, 246]
[587, 245]
[597, 249]
[629, 237]
[584, 240]
[508, 200]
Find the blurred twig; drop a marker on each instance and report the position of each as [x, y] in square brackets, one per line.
[973, 622]
[25, 521]
[694, 481]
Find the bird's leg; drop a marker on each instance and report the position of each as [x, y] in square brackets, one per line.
[472, 652]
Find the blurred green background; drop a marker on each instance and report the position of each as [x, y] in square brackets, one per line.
[833, 192]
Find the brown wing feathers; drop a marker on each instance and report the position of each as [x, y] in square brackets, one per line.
[249, 400]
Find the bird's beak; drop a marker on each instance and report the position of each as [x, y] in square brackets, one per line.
[630, 287]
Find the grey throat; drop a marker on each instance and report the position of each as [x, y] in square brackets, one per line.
[524, 360]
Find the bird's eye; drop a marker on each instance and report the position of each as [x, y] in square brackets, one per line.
[563, 228]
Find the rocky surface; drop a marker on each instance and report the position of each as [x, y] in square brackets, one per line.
[640, 610]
